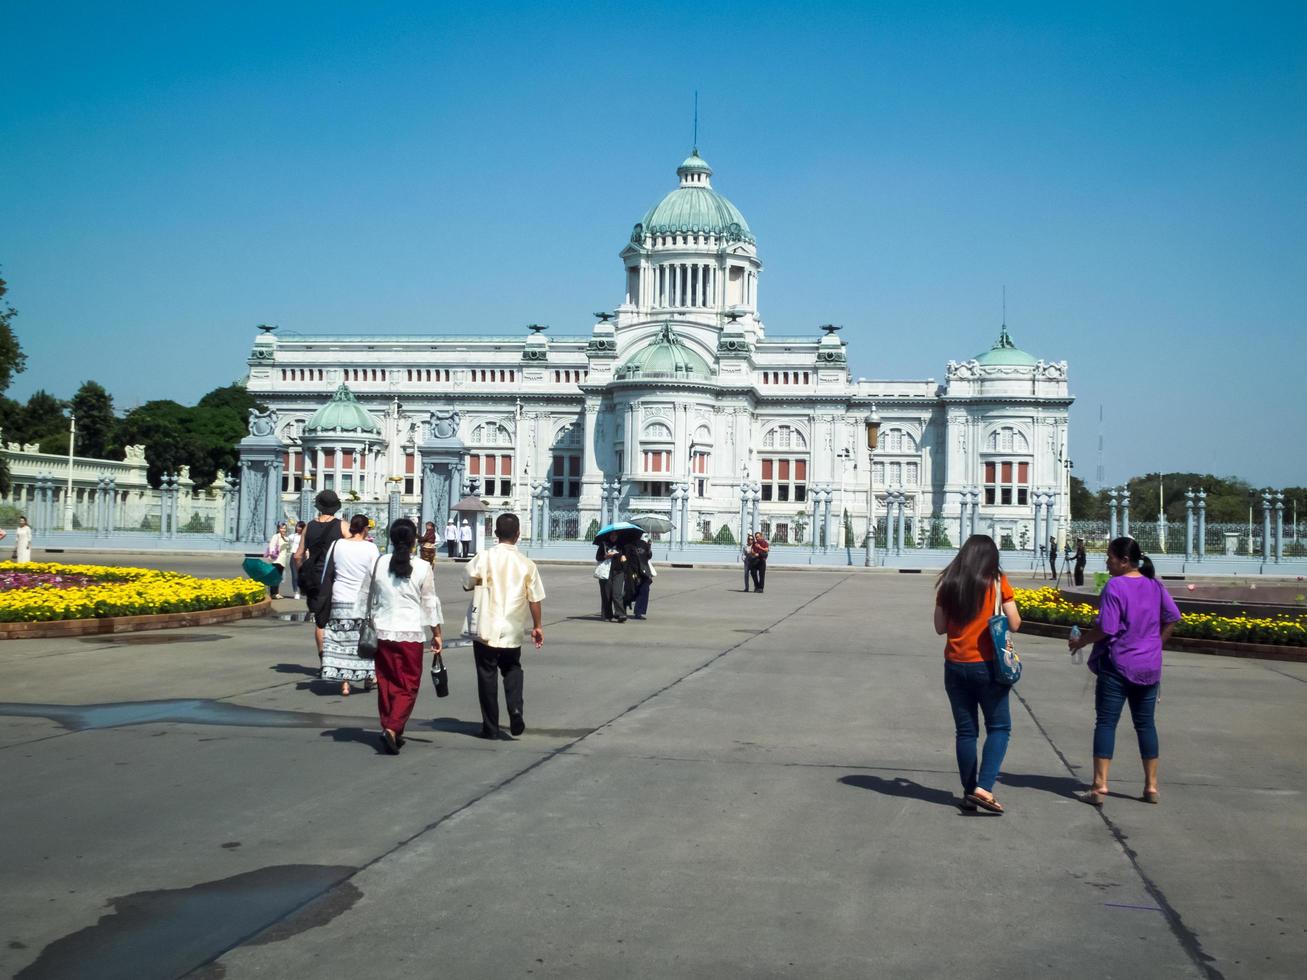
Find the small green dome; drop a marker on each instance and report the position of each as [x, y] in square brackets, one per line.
[1004, 353]
[695, 208]
[666, 357]
[343, 414]
[694, 164]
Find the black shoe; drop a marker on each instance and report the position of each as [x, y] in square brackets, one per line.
[516, 724]
[488, 732]
[388, 744]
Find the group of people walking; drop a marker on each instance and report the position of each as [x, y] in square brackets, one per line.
[353, 590]
[624, 568]
[1135, 618]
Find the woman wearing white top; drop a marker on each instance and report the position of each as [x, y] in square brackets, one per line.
[404, 604]
[352, 559]
[277, 554]
[23, 544]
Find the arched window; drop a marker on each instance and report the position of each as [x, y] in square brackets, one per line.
[657, 432]
[784, 437]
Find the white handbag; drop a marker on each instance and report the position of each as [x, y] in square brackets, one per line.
[604, 569]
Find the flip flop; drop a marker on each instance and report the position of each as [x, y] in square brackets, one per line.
[1091, 797]
[992, 805]
[1151, 797]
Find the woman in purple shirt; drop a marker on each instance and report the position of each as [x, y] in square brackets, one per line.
[1135, 618]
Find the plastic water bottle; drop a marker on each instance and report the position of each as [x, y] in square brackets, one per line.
[1077, 656]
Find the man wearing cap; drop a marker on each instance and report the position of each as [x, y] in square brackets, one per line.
[465, 537]
[451, 538]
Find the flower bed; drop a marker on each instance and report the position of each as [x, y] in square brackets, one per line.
[1047, 605]
[45, 592]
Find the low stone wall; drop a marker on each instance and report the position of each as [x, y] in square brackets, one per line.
[131, 624]
[1221, 648]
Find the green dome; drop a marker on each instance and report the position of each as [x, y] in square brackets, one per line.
[694, 164]
[1004, 353]
[342, 414]
[695, 208]
[666, 357]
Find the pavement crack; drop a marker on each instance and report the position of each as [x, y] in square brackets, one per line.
[502, 784]
[1185, 936]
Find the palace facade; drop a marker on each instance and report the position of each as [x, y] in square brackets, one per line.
[679, 392]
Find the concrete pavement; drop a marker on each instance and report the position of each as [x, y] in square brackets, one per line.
[742, 785]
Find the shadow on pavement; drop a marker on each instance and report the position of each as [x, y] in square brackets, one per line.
[364, 736]
[1057, 785]
[295, 669]
[906, 788]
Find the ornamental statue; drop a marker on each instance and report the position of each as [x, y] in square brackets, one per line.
[262, 424]
[444, 423]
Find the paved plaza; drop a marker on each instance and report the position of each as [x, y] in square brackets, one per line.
[742, 786]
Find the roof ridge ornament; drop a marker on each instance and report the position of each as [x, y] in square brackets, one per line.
[1004, 341]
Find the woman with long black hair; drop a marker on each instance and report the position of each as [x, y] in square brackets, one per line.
[404, 606]
[1135, 618]
[964, 602]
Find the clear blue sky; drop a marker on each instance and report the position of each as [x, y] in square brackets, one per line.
[174, 174]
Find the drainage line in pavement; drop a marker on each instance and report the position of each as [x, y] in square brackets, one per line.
[1187, 938]
[507, 781]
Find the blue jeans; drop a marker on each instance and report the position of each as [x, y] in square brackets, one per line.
[972, 686]
[1110, 696]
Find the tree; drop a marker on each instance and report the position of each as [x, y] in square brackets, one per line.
[1085, 506]
[93, 408]
[724, 536]
[12, 358]
[43, 421]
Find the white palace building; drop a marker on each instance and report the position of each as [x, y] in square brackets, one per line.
[679, 393]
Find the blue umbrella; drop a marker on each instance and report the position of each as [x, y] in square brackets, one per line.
[622, 529]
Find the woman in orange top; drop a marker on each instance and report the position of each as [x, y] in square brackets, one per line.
[964, 603]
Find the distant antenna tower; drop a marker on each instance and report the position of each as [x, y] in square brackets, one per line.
[1098, 475]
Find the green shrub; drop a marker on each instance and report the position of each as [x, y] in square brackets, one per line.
[592, 530]
[724, 536]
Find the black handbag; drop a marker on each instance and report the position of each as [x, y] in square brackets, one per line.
[440, 676]
[367, 648]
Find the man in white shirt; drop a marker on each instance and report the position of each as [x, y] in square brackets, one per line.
[465, 536]
[508, 591]
[451, 538]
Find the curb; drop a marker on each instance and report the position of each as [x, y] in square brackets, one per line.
[132, 624]
[1189, 644]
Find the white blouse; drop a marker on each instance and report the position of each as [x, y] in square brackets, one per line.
[353, 561]
[401, 607]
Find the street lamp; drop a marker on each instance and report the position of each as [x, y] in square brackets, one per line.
[872, 427]
[68, 490]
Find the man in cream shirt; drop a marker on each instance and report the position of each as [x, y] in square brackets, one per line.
[508, 593]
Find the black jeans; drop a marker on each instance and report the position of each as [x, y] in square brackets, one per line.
[759, 572]
[612, 597]
[492, 661]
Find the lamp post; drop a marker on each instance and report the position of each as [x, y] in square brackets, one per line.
[872, 427]
[1064, 524]
[68, 490]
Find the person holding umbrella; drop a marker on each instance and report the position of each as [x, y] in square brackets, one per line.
[610, 567]
[612, 579]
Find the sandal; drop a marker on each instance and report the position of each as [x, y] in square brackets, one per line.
[1092, 797]
[1150, 796]
[388, 742]
[344, 689]
[990, 804]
